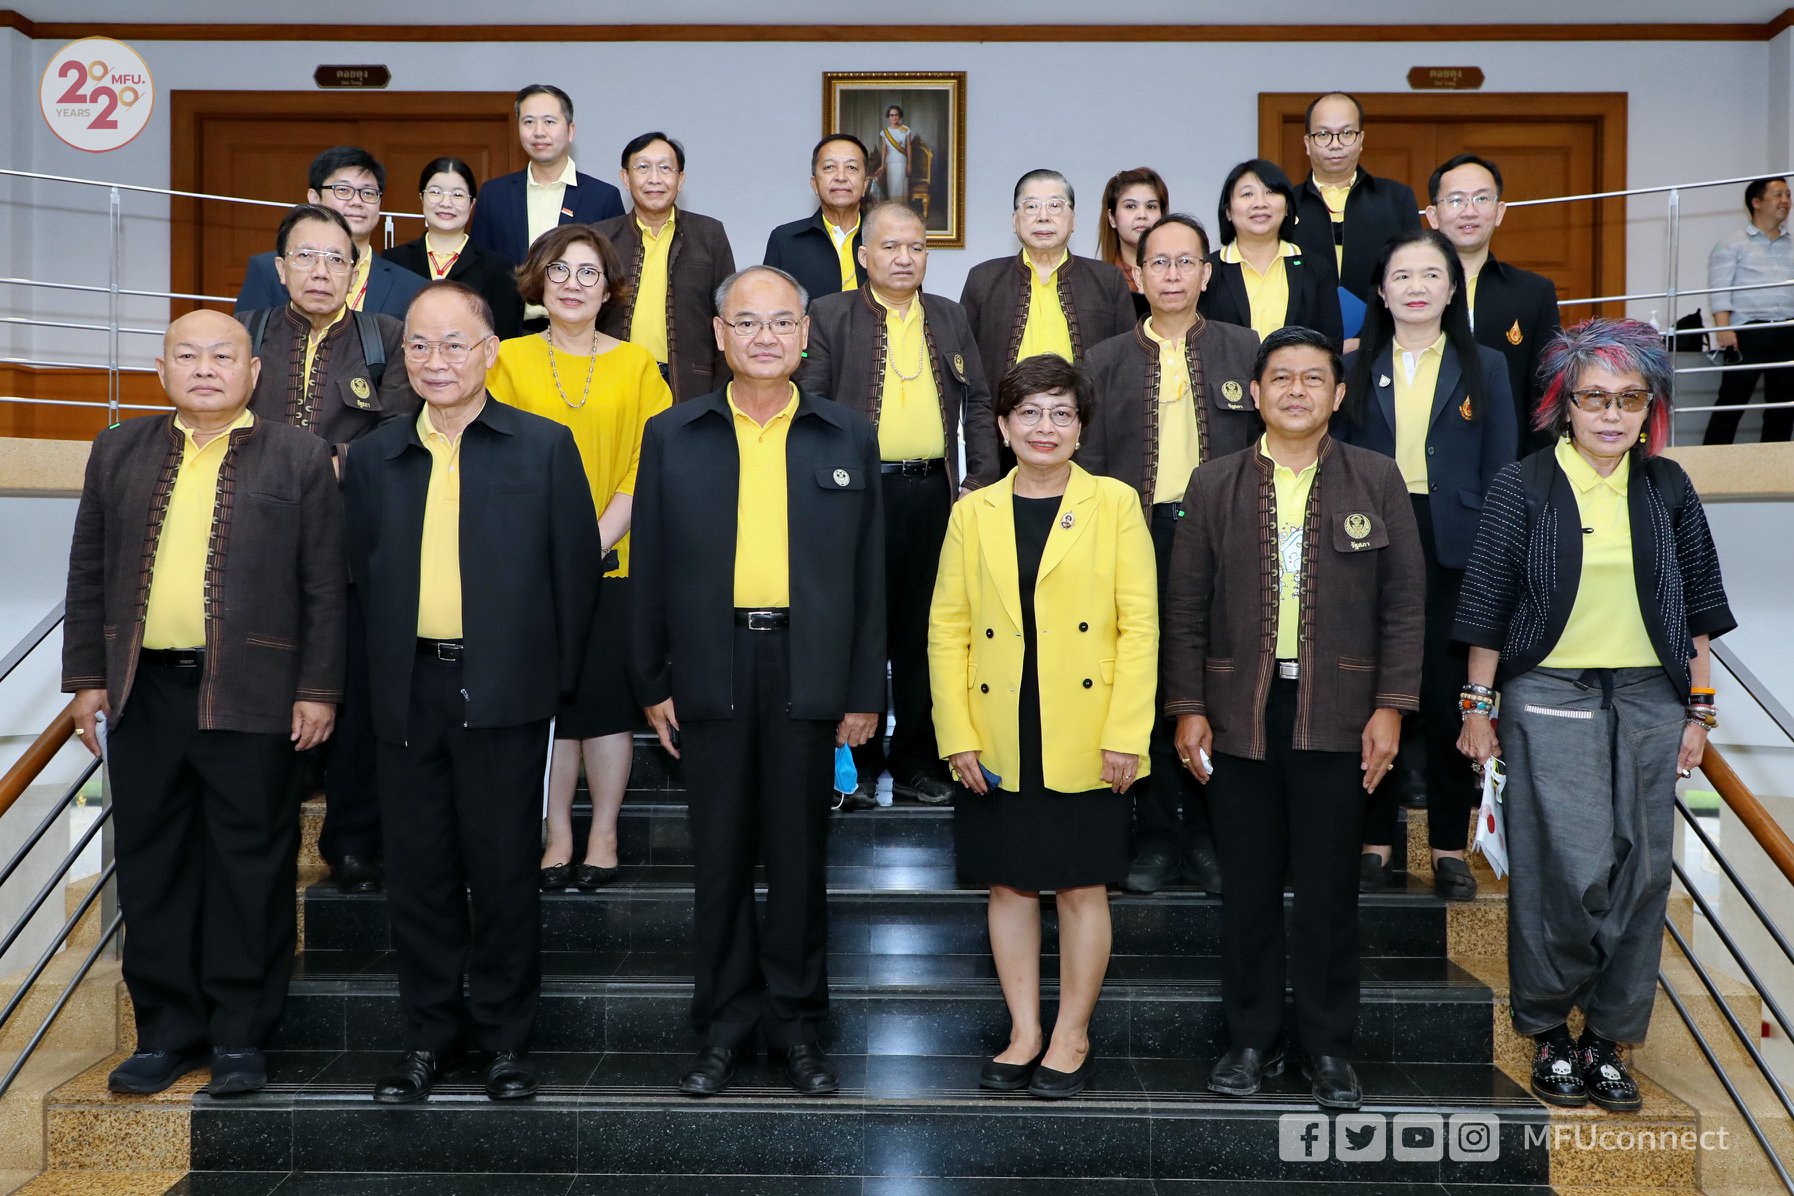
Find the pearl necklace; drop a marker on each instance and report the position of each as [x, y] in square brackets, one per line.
[548, 335]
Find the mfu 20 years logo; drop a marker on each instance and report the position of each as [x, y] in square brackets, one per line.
[96, 94]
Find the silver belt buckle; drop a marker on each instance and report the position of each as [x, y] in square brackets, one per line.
[1288, 670]
[762, 620]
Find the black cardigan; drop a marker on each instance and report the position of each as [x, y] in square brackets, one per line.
[477, 267]
[1313, 298]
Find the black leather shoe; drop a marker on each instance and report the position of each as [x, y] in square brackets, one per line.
[1373, 873]
[508, 1076]
[358, 874]
[1049, 1084]
[710, 1070]
[589, 878]
[1242, 1069]
[1151, 871]
[1557, 1070]
[1335, 1083]
[556, 877]
[863, 797]
[1452, 879]
[807, 1070]
[1610, 1084]
[148, 1072]
[1008, 1077]
[411, 1080]
[927, 790]
[237, 1069]
[1202, 866]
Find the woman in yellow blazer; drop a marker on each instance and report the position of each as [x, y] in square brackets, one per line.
[1042, 658]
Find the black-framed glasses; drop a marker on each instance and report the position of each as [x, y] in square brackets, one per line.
[559, 272]
[347, 191]
[1336, 136]
[1596, 401]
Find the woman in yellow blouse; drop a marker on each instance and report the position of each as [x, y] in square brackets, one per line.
[1262, 281]
[1042, 660]
[604, 390]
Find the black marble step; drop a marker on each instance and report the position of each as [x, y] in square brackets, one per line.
[889, 909]
[896, 1117]
[329, 1183]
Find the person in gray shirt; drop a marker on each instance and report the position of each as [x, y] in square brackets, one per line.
[1760, 252]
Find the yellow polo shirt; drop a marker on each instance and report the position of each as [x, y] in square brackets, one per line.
[1606, 629]
[1267, 294]
[1293, 490]
[1047, 330]
[1416, 378]
[843, 239]
[1180, 449]
[762, 533]
[909, 415]
[1335, 198]
[648, 322]
[313, 339]
[176, 614]
[542, 201]
[358, 280]
[1470, 297]
[439, 565]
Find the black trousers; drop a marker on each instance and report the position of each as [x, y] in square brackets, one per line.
[462, 808]
[1303, 809]
[916, 511]
[1735, 386]
[1451, 787]
[206, 833]
[351, 798]
[1170, 808]
[761, 784]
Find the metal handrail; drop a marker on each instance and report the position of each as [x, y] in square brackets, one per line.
[1754, 687]
[62, 936]
[43, 827]
[30, 640]
[1731, 874]
[59, 876]
[62, 1001]
[32, 761]
[1758, 821]
[1750, 973]
[1706, 979]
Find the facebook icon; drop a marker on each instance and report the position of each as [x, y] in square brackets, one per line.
[1302, 1138]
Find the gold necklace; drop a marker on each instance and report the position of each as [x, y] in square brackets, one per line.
[548, 335]
[921, 350]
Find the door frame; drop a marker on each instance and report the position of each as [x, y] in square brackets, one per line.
[186, 148]
[1605, 109]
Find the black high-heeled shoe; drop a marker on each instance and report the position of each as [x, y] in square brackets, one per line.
[590, 877]
[556, 877]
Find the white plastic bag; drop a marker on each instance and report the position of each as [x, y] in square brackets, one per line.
[1491, 830]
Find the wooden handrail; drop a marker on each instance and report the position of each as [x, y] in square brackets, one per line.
[43, 749]
[1758, 821]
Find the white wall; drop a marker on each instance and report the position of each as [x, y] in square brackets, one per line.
[748, 116]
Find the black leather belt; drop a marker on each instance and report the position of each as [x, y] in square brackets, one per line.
[446, 650]
[173, 658]
[762, 619]
[920, 467]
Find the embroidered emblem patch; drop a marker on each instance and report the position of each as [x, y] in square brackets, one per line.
[361, 388]
[1232, 391]
[1068, 519]
[841, 478]
[1357, 526]
[1513, 334]
[959, 365]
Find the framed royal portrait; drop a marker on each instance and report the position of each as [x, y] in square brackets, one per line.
[914, 126]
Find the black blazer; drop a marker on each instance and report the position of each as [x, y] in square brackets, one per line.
[390, 288]
[501, 217]
[529, 563]
[1376, 209]
[682, 560]
[1516, 315]
[804, 250]
[1463, 456]
[479, 268]
[1312, 301]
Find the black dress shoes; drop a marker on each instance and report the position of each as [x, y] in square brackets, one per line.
[358, 874]
[808, 1072]
[1008, 1077]
[863, 797]
[1335, 1083]
[1557, 1070]
[411, 1080]
[1049, 1084]
[1202, 865]
[1373, 873]
[1610, 1084]
[1242, 1069]
[711, 1070]
[149, 1072]
[556, 877]
[1151, 871]
[589, 878]
[927, 790]
[1452, 879]
[508, 1076]
[237, 1070]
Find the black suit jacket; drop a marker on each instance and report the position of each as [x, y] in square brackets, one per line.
[697, 262]
[501, 217]
[1462, 456]
[390, 288]
[529, 563]
[1516, 315]
[846, 362]
[1376, 209]
[1313, 302]
[477, 267]
[804, 250]
[682, 560]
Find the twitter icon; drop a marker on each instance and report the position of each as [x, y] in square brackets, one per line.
[1360, 1138]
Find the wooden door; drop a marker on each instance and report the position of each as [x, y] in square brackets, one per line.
[1545, 145]
[258, 145]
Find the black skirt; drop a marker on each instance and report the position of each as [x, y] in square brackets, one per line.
[1042, 840]
[605, 703]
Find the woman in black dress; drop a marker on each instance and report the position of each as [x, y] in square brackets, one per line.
[448, 192]
[1042, 655]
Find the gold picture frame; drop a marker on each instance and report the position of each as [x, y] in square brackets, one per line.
[922, 155]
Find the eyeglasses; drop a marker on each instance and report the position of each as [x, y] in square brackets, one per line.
[437, 195]
[1029, 415]
[346, 192]
[1335, 136]
[1482, 201]
[643, 170]
[559, 272]
[1034, 207]
[418, 351]
[748, 327]
[309, 259]
[1185, 264]
[1596, 401]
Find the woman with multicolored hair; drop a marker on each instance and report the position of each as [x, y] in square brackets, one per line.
[1589, 601]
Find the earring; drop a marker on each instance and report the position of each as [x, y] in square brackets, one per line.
[1005, 442]
[1644, 437]
[1076, 445]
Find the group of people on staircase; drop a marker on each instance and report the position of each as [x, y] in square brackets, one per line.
[1146, 558]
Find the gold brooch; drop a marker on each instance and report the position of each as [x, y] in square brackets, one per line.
[1068, 520]
[361, 388]
[1232, 391]
[1357, 526]
[1513, 334]
[1464, 408]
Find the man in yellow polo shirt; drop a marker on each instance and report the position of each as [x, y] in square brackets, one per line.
[757, 557]
[474, 549]
[210, 668]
